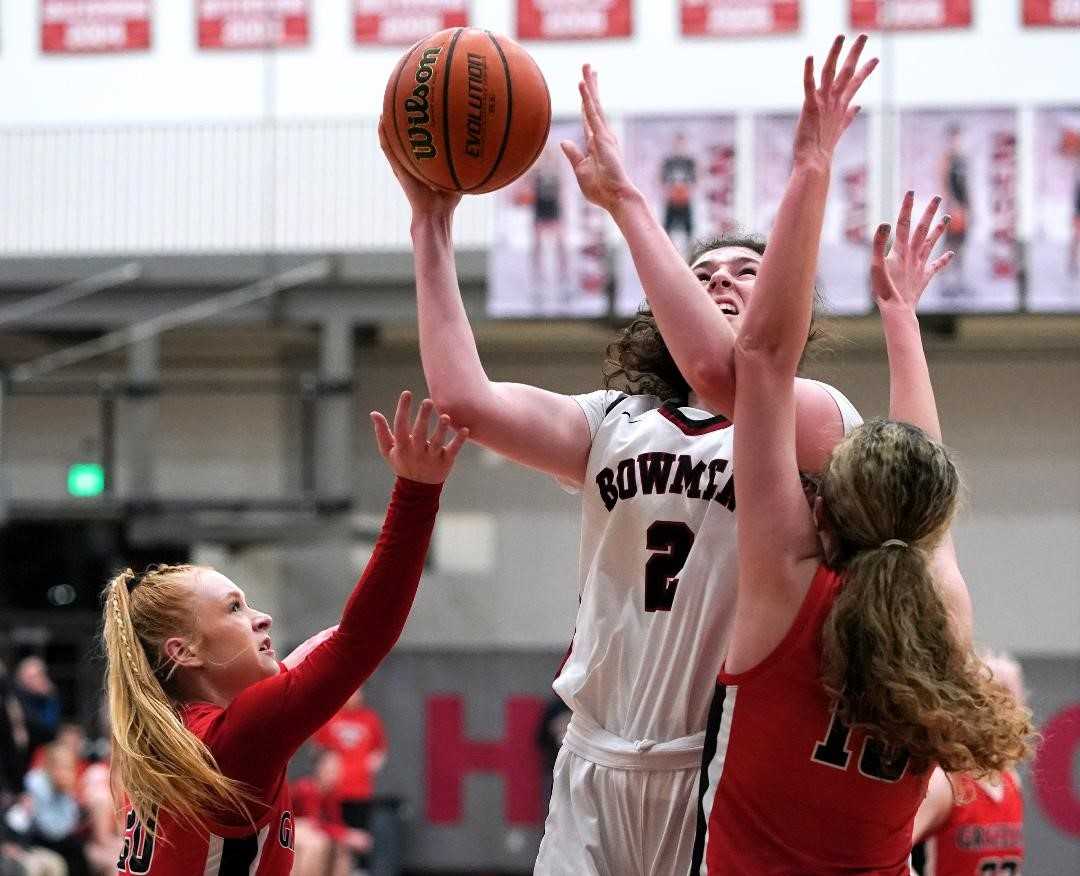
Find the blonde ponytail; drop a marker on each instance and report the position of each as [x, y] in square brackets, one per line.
[890, 655]
[156, 761]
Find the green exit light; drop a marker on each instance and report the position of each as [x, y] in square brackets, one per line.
[86, 479]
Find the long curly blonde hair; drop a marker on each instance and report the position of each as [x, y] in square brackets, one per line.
[156, 761]
[891, 658]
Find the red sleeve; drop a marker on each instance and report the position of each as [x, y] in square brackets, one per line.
[256, 735]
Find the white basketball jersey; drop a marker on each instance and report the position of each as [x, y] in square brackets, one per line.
[658, 571]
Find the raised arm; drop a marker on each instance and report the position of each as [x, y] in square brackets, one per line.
[898, 281]
[267, 722]
[698, 335]
[541, 429]
[777, 540]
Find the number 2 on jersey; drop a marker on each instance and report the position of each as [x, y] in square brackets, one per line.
[671, 542]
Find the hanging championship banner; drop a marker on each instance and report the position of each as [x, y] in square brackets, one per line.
[573, 19]
[549, 255]
[403, 22]
[738, 17]
[844, 257]
[685, 167]
[910, 14]
[970, 159]
[252, 24]
[94, 25]
[1054, 253]
[1052, 13]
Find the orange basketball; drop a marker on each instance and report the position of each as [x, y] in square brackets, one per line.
[467, 110]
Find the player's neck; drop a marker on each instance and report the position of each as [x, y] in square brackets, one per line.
[694, 401]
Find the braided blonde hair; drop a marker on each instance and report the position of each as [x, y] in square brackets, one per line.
[156, 761]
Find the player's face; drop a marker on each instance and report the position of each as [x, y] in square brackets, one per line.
[233, 639]
[729, 274]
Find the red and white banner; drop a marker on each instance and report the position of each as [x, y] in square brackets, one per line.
[910, 14]
[685, 167]
[403, 22]
[1052, 13]
[94, 25]
[252, 24]
[573, 19]
[738, 17]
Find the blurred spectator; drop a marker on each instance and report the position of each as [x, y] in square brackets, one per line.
[324, 843]
[40, 704]
[69, 736]
[55, 819]
[105, 838]
[13, 739]
[356, 733]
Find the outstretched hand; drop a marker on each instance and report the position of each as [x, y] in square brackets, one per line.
[599, 169]
[409, 451]
[424, 199]
[827, 110]
[899, 279]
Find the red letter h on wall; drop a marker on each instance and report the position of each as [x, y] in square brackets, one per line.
[451, 757]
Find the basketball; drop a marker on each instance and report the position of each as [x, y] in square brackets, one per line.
[467, 110]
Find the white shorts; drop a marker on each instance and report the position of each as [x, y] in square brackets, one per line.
[632, 814]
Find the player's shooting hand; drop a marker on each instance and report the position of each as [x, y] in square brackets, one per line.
[409, 451]
[599, 169]
[827, 110]
[425, 200]
[899, 278]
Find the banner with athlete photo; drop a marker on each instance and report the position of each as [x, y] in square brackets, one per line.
[95, 26]
[549, 253]
[253, 24]
[970, 159]
[1052, 13]
[573, 19]
[844, 257]
[910, 14]
[685, 166]
[403, 22]
[738, 17]
[1054, 253]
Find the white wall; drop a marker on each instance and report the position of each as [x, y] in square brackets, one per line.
[995, 62]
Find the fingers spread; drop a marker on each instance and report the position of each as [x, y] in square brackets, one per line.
[851, 62]
[903, 221]
[935, 236]
[924, 223]
[454, 446]
[382, 434]
[829, 70]
[441, 428]
[856, 82]
[423, 422]
[401, 417]
[808, 80]
[940, 262]
[574, 155]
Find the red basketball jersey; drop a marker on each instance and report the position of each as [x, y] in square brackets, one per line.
[214, 849]
[786, 786]
[983, 836]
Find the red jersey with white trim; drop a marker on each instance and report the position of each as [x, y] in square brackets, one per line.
[787, 787]
[982, 837]
[253, 739]
[358, 736]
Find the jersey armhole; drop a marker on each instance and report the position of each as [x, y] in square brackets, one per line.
[819, 590]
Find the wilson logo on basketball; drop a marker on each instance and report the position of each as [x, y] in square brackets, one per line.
[417, 108]
[474, 120]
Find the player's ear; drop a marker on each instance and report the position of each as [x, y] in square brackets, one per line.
[181, 653]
